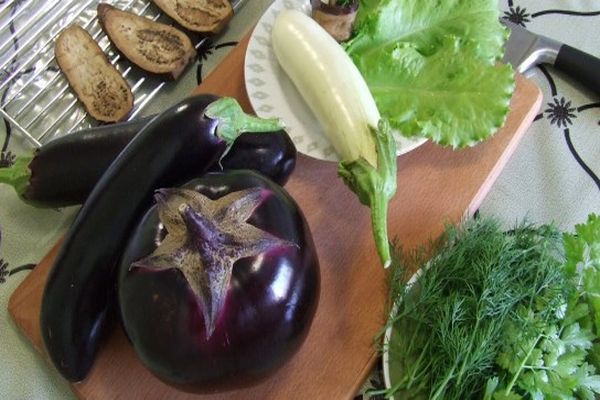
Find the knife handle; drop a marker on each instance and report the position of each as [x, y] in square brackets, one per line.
[579, 65]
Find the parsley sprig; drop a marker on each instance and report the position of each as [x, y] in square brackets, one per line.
[500, 315]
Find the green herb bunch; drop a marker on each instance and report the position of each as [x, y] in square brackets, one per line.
[499, 315]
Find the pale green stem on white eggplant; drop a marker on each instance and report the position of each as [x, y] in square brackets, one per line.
[375, 186]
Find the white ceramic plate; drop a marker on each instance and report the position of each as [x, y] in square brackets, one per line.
[272, 93]
[390, 370]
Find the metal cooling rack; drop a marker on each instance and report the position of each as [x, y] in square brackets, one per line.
[35, 97]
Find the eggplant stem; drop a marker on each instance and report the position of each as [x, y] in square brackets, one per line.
[17, 175]
[198, 224]
[375, 186]
[233, 121]
[379, 208]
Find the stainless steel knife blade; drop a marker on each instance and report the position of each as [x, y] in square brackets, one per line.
[525, 49]
[236, 4]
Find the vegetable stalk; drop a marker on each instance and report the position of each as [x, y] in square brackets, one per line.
[18, 174]
[375, 186]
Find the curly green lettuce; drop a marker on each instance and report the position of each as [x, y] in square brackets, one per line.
[434, 67]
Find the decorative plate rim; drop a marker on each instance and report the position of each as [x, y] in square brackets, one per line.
[261, 70]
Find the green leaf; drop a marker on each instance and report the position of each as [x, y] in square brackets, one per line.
[433, 67]
[475, 303]
[569, 363]
[577, 312]
[585, 394]
[587, 379]
[594, 354]
[583, 247]
[490, 387]
[381, 23]
[574, 337]
[582, 254]
[592, 383]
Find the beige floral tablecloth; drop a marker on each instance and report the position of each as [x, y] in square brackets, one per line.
[554, 176]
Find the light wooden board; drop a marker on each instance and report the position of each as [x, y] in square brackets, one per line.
[435, 186]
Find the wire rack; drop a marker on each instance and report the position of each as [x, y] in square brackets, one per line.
[35, 97]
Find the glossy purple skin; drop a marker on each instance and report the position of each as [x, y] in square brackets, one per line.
[78, 300]
[65, 170]
[268, 309]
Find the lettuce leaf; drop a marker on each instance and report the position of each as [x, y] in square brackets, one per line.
[433, 66]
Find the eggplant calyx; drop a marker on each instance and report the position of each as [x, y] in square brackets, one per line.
[17, 175]
[205, 238]
[233, 121]
[375, 186]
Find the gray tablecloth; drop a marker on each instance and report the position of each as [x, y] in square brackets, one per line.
[554, 176]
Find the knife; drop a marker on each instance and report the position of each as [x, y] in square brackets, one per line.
[525, 50]
[236, 4]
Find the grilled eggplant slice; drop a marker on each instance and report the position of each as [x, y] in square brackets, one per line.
[206, 16]
[152, 46]
[104, 93]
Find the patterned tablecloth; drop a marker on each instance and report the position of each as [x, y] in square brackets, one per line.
[554, 176]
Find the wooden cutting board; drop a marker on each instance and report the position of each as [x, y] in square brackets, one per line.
[435, 186]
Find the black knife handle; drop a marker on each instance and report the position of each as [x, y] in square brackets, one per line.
[579, 65]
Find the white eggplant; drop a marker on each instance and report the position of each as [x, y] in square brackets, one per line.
[329, 82]
[338, 95]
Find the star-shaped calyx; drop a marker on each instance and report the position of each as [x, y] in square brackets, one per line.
[205, 238]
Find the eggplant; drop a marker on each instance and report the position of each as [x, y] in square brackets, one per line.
[273, 155]
[179, 144]
[63, 172]
[218, 290]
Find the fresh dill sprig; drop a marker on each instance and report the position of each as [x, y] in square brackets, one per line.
[449, 326]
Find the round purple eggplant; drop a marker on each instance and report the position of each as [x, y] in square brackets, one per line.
[78, 300]
[219, 282]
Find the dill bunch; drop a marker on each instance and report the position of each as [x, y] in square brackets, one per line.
[450, 323]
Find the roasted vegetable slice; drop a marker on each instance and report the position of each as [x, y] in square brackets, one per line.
[207, 16]
[151, 45]
[99, 86]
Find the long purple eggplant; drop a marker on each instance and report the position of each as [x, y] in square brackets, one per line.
[180, 143]
[63, 172]
[219, 282]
